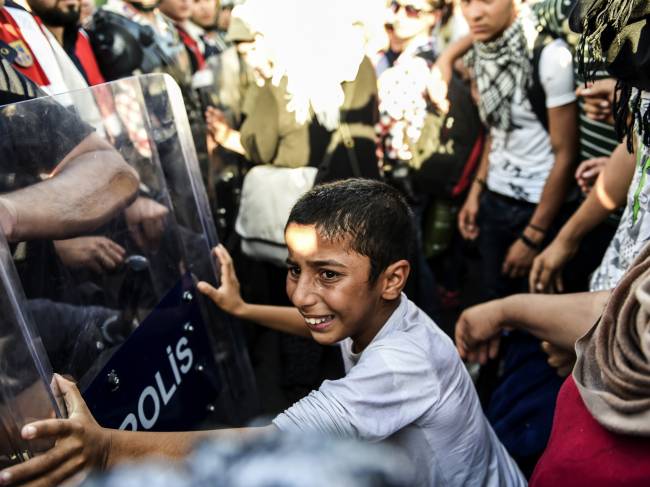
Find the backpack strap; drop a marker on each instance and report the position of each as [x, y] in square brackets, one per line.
[343, 134]
[535, 91]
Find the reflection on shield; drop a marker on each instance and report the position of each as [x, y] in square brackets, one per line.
[147, 350]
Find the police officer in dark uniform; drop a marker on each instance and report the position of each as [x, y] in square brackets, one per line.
[90, 184]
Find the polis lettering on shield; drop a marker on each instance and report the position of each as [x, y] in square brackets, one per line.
[158, 395]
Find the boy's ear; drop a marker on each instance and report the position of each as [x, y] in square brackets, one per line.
[394, 279]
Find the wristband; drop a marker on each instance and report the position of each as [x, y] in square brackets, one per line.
[529, 243]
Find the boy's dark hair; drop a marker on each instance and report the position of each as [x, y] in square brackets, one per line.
[372, 215]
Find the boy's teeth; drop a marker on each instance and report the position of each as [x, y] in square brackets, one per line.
[316, 321]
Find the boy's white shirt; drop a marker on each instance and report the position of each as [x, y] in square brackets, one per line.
[409, 387]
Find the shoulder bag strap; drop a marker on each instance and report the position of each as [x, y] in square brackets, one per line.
[343, 134]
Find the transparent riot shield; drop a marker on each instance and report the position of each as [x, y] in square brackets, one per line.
[25, 376]
[115, 302]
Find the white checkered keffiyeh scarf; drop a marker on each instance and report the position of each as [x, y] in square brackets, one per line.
[500, 67]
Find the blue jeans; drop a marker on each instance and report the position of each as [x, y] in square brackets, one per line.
[500, 222]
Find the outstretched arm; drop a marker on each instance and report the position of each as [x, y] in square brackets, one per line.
[82, 444]
[282, 318]
[558, 319]
[87, 189]
[441, 72]
[449, 56]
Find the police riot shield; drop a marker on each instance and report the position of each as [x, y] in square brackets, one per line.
[114, 303]
[25, 375]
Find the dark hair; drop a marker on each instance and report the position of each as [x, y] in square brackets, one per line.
[372, 215]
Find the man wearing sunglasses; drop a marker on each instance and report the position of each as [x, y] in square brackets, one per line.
[411, 11]
[409, 26]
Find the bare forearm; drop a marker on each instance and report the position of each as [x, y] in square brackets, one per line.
[614, 182]
[484, 165]
[554, 194]
[130, 446]
[589, 215]
[456, 50]
[480, 177]
[609, 193]
[559, 319]
[232, 142]
[90, 188]
[286, 319]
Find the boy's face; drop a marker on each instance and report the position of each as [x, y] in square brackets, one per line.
[328, 283]
[487, 19]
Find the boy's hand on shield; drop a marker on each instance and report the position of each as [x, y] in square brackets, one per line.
[80, 444]
[227, 296]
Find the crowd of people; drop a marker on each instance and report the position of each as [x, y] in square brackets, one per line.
[491, 153]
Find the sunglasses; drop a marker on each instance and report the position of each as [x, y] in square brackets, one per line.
[410, 10]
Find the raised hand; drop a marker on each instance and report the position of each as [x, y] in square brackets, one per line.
[227, 296]
[598, 99]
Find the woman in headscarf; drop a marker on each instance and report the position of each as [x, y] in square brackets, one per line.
[601, 427]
